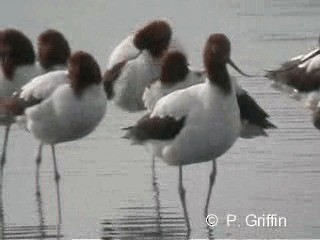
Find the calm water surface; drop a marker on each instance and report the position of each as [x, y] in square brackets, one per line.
[110, 190]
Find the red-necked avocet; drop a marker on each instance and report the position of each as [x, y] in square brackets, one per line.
[18, 66]
[300, 77]
[61, 106]
[53, 54]
[135, 63]
[53, 50]
[202, 122]
[175, 74]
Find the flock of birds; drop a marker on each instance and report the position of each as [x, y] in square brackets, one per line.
[192, 115]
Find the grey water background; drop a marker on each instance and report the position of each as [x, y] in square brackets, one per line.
[108, 187]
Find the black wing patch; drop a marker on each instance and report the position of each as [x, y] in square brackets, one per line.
[252, 112]
[155, 128]
[302, 81]
[16, 106]
[111, 76]
[290, 74]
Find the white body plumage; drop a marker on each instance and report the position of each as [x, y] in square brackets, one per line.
[61, 115]
[212, 124]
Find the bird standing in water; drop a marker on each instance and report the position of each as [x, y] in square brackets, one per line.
[300, 76]
[53, 54]
[18, 66]
[61, 106]
[202, 122]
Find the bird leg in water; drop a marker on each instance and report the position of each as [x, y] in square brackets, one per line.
[182, 193]
[42, 229]
[156, 196]
[4, 147]
[57, 180]
[2, 214]
[38, 162]
[211, 183]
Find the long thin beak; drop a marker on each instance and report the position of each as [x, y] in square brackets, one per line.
[309, 56]
[232, 64]
[304, 59]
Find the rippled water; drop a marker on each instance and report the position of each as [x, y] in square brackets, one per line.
[109, 188]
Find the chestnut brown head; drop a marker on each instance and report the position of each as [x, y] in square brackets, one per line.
[154, 37]
[83, 71]
[174, 67]
[53, 49]
[216, 55]
[15, 50]
[217, 50]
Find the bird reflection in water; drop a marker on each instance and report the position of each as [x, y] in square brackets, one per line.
[154, 222]
[41, 231]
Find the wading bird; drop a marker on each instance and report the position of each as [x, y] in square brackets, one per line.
[300, 76]
[135, 63]
[202, 122]
[61, 106]
[53, 54]
[18, 66]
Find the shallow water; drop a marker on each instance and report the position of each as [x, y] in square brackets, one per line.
[109, 189]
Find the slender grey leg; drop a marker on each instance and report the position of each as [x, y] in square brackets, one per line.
[211, 183]
[2, 214]
[42, 229]
[156, 196]
[4, 147]
[57, 180]
[38, 162]
[154, 177]
[182, 193]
